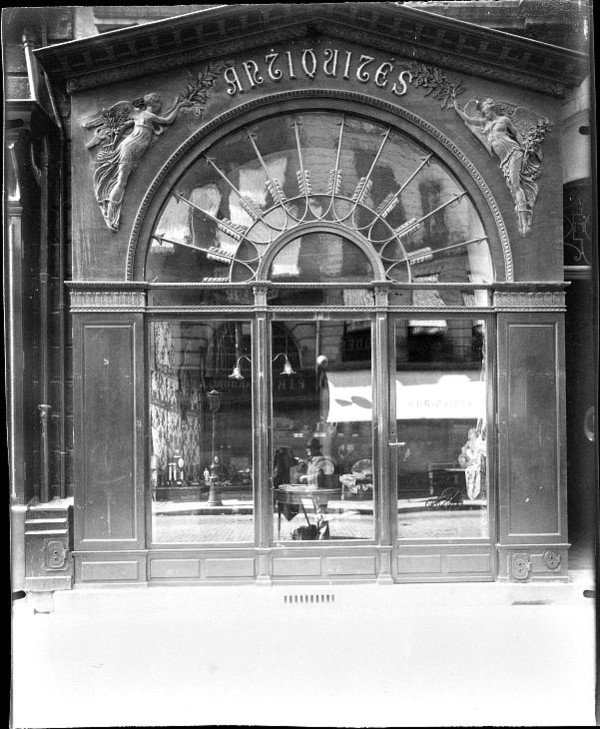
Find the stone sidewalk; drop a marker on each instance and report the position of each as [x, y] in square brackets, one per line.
[356, 655]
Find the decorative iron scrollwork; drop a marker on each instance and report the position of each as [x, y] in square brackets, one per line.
[577, 222]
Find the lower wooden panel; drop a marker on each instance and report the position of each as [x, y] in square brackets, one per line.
[107, 567]
[423, 563]
[351, 566]
[221, 565]
[412, 563]
[468, 563]
[297, 566]
[175, 568]
[445, 563]
[230, 567]
[205, 567]
[112, 571]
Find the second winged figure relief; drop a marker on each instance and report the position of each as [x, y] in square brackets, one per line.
[124, 131]
[514, 135]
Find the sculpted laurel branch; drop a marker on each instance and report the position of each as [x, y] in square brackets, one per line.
[435, 83]
[195, 94]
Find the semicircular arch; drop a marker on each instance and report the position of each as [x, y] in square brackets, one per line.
[317, 100]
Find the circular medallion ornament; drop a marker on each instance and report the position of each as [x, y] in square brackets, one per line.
[551, 559]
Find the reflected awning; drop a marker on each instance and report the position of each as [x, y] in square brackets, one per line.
[434, 395]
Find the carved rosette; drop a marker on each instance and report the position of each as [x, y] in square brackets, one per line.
[551, 559]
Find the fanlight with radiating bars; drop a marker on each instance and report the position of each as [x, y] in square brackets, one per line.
[362, 179]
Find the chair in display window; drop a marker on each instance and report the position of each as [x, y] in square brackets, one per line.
[359, 482]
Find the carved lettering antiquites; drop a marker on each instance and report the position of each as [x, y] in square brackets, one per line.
[309, 63]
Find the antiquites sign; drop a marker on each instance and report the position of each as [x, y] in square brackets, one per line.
[123, 132]
[307, 63]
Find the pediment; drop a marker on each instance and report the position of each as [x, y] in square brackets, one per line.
[221, 32]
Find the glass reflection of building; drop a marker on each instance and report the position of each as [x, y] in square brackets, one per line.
[317, 206]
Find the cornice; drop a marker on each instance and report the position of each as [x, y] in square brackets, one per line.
[225, 30]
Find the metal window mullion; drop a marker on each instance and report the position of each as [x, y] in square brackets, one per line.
[261, 418]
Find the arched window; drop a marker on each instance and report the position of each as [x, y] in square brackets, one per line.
[294, 213]
[361, 180]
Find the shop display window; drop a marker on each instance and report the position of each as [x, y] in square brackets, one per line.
[323, 481]
[441, 421]
[307, 211]
[201, 432]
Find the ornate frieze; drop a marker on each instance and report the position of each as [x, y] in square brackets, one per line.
[124, 131]
[119, 301]
[529, 300]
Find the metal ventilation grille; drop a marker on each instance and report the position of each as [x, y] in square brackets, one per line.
[308, 599]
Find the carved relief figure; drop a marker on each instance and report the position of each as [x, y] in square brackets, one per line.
[126, 130]
[514, 135]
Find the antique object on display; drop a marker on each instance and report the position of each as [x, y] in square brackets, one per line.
[359, 482]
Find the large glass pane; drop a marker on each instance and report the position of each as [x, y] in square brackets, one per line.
[201, 432]
[441, 394]
[322, 459]
[321, 257]
[260, 181]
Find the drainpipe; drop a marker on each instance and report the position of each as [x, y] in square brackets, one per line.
[61, 295]
[31, 75]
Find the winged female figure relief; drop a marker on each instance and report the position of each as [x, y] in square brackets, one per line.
[124, 132]
[514, 135]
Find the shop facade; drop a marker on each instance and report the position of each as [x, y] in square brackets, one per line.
[317, 299]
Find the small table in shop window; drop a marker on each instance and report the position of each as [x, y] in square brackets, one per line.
[297, 495]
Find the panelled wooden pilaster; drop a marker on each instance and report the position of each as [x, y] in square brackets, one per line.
[16, 361]
[532, 528]
[110, 431]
